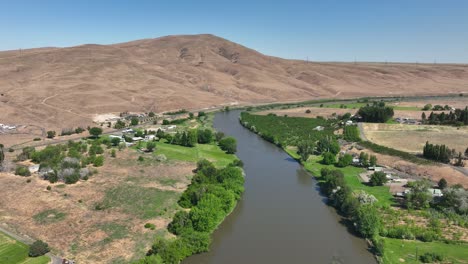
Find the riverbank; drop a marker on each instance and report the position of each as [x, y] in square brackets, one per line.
[377, 215]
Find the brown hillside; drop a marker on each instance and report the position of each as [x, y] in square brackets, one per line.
[64, 87]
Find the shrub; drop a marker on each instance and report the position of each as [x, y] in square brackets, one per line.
[431, 257]
[150, 146]
[180, 223]
[345, 160]
[368, 221]
[22, 171]
[98, 161]
[228, 144]
[140, 158]
[95, 131]
[37, 139]
[38, 248]
[51, 134]
[328, 158]
[378, 178]
[150, 226]
[49, 188]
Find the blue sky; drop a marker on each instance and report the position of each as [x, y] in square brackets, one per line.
[328, 30]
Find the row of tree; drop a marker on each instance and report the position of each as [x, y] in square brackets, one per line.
[458, 117]
[377, 113]
[436, 152]
[211, 196]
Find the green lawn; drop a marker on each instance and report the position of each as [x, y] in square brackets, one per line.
[407, 108]
[210, 152]
[14, 252]
[351, 173]
[396, 249]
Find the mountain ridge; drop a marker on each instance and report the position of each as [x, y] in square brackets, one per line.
[61, 87]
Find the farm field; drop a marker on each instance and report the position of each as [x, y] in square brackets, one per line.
[411, 138]
[328, 112]
[102, 220]
[15, 252]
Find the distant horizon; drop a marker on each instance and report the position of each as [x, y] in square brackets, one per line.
[403, 31]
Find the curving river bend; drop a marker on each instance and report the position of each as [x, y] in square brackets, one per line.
[282, 218]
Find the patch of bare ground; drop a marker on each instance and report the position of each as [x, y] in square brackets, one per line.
[411, 138]
[457, 102]
[66, 216]
[433, 172]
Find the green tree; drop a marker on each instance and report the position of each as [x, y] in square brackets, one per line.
[364, 159]
[419, 196]
[205, 136]
[191, 115]
[165, 122]
[305, 149]
[115, 141]
[442, 183]
[151, 114]
[113, 154]
[328, 158]
[150, 146]
[134, 121]
[368, 220]
[38, 248]
[328, 144]
[119, 124]
[344, 160]
[51, 134]
[427, 107]
[95, 131]
[378, 178]
[228, 144]
[373, 161]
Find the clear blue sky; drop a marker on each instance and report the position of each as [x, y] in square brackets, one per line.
[327, 30]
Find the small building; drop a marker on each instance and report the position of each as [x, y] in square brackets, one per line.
[356, 161]
[137, 138]
[129, 130]
[171, 127]
[150, 137]
[34, 168]
[319, 128]
[349, 123]
[375, 168]
[435, 192]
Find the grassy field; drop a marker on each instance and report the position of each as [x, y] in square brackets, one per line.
[142, 202]
[210, 152]
[14, 252]
[391, 135]
[404, 251]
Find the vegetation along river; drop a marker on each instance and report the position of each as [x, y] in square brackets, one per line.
[282, 218]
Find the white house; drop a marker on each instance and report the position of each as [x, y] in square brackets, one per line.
[137, 138]
[319, 128]
[150, 137]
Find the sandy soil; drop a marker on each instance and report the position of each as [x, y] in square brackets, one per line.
[431, 172]
[57, 88]
[411, 138]
[80, 235]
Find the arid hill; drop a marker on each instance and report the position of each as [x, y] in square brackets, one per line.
[64, 87]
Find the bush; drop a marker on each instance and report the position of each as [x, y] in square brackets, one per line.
[150, 226]
[98, 161]
[95, 131]
[328, 158]
[431, 257]
[345, 160]
[378, 178]
[37, 139]
[140, 158]
[228, 144]
[38, 248]
[22, 171]
[51, 134]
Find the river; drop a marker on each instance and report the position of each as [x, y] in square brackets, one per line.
[281, 218]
